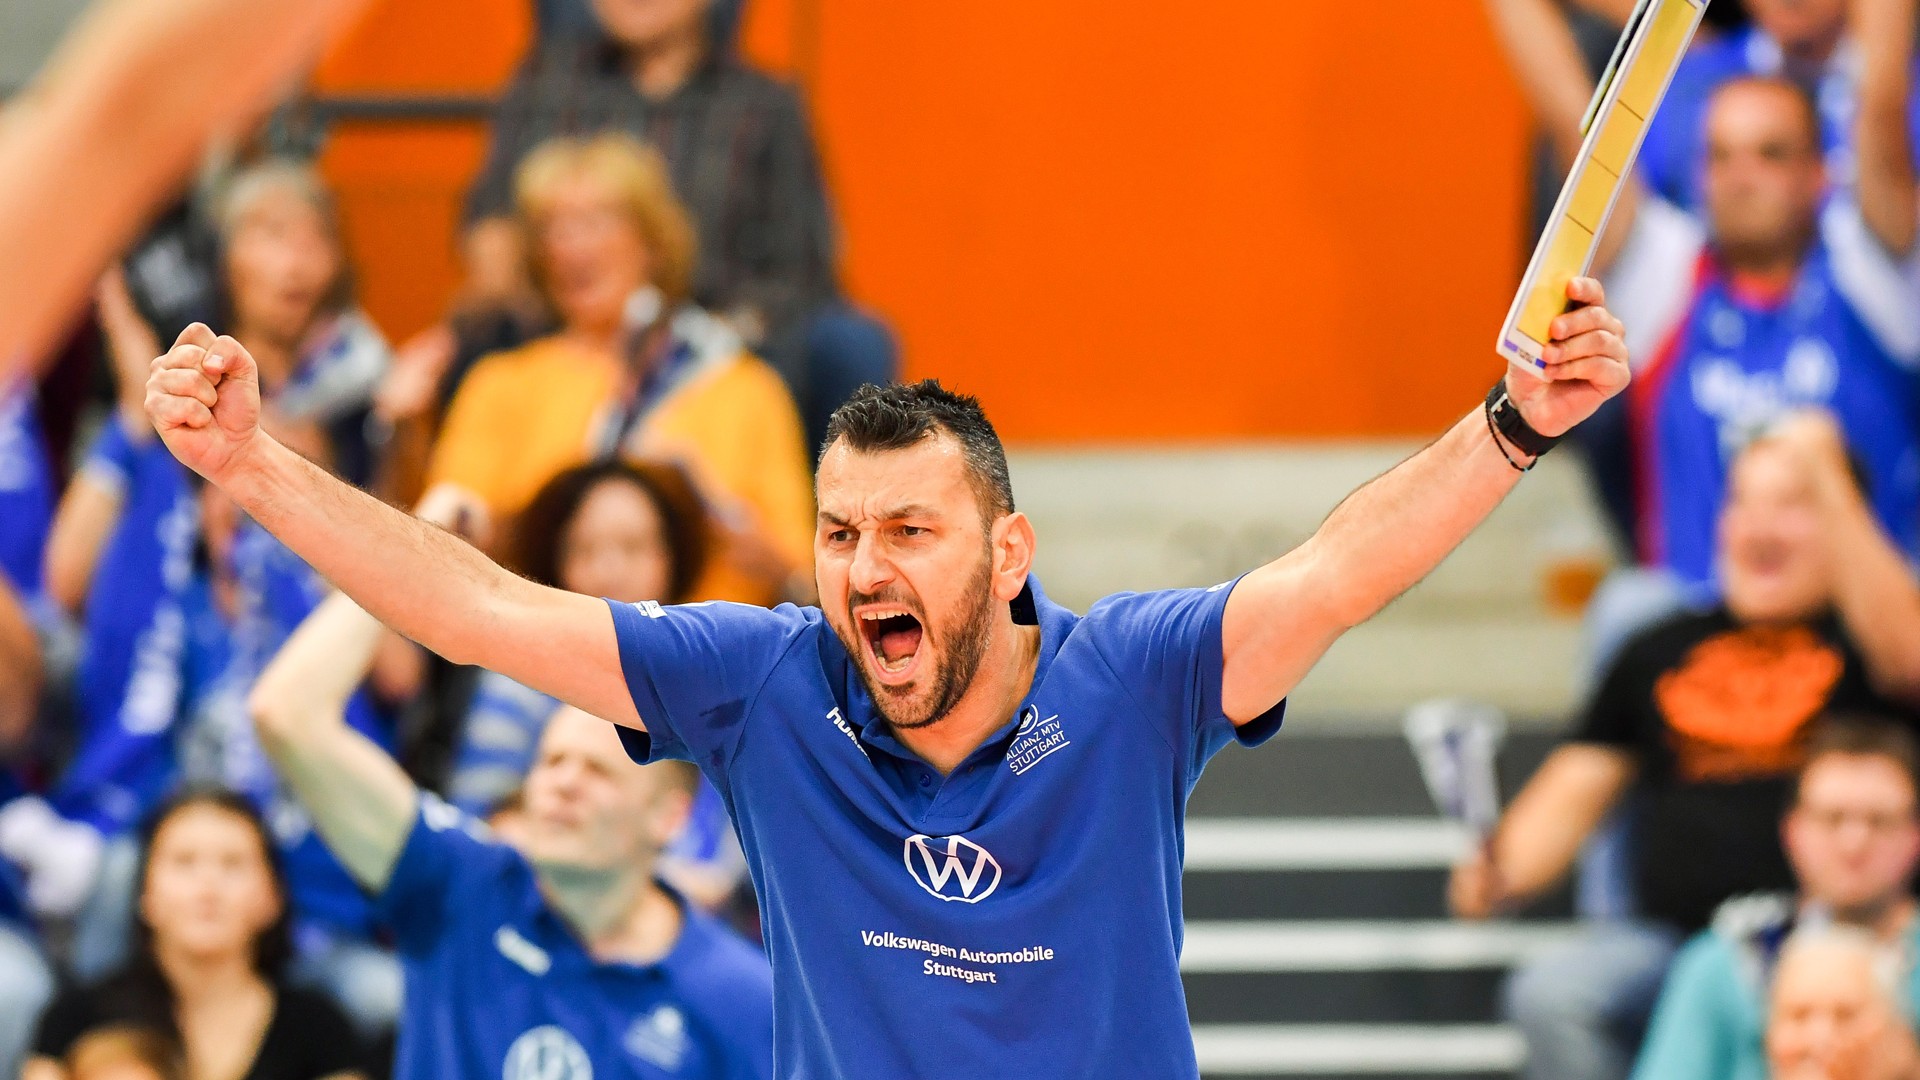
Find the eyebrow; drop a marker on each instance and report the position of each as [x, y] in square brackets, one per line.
[893, 514]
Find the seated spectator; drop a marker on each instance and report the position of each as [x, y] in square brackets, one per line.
[1787, 293]
[1852, 836]
[634, 371]
[287, 288]
[289, 299]
[567, 950]
[182, 601]
[126, 1053]
[214, 940]
[1709, 713]
[165, 706]
[623, 530]
[1834, 1014]
[1807, 41]
[742, 160]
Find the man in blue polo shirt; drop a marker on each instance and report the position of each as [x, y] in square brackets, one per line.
[564, 960]
[962, 804]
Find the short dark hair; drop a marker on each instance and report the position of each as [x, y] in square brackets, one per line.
[683, 520]
[1863, 735]
[893, 417]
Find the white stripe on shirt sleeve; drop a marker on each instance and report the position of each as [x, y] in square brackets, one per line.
[1650, 284]
[1883, 290]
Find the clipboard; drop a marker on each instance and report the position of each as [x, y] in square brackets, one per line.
[1623, 106]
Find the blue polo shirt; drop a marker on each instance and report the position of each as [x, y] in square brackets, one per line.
[1018, 917]
[499, 986]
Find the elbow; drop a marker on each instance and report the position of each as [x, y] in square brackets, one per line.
[275, 716]
[67, 580]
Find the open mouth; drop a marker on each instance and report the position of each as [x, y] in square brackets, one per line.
[893, 637]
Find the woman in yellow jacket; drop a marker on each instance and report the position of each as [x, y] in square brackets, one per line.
[634, 370]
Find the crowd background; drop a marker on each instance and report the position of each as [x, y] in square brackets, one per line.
[591, 288]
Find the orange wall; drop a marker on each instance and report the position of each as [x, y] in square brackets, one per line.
[1114, 220]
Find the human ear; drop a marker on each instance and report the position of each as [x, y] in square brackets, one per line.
[1012, 551]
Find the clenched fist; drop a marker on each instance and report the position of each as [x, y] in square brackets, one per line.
[203, 397]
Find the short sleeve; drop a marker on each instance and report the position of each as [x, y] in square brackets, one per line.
[1165, 647]
[1611, 717]
[1648, 281]
[448, 855]
[1692, 1033]
[695, 670]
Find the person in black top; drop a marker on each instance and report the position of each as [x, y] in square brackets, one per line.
[1708, 714]
[212, 940]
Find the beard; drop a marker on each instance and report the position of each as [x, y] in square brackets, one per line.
[963, 639]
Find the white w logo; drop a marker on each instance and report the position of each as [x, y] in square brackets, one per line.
[951, 867]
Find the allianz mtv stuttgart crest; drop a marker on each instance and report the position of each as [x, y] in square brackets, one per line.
[548, 1052]
[952, 867]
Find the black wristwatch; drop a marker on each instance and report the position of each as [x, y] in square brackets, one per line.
[1504, 415]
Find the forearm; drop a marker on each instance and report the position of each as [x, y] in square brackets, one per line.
[1885, 183]
[1549, 821]
[1391, 533]
[1547, 62]
[318, 669]
[418, 579]
[359, 798]
[1875, 591]
[20, 668]
[1377, 544]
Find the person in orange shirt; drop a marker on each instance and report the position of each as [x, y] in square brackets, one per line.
[635, 370]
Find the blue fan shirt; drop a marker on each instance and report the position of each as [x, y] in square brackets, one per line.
[499, 986]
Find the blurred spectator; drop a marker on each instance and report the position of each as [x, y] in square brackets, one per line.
[501, 945]
[623, 530]
[1709, 713]
[1833, 1014]
[182, 601]
[126, 1052]
[289, 299]
[1806, 41]
[635, 371]
[1786, 294]
[743, 161]
[213, 943]
[1852, 836]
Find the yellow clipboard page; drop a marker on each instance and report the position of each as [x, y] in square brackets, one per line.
[1655, 40]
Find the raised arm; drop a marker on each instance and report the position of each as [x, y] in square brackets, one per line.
[1553, 76]
[359, 798]
[1542, 832]
[1883, 147]
[204, 397]
[91, 506]
[113, 125]
[1873, 584]
[1391, 533]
